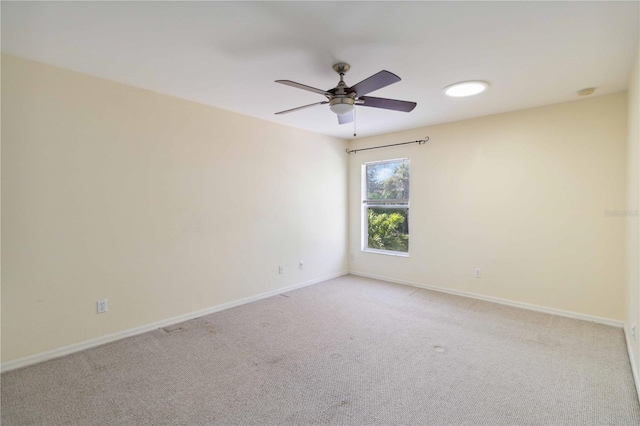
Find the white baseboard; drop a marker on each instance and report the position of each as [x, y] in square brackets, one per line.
[76, 347]
[634, 370]
[528, 306]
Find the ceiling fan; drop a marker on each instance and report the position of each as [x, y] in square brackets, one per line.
[342, 98]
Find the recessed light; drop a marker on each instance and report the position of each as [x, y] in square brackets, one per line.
[586, 92]
[466, 88]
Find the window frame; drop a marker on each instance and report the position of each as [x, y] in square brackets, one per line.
[364, 232]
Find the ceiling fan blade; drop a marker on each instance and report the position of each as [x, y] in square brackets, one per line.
[393, 104]
[302, 86]
[345, 118]
[302, 107]
[375, 82]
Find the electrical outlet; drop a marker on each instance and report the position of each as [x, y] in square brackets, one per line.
[633, 332]
[478, 273]
[281, 269]
[352, 256]
[301, 265]
[102, 306]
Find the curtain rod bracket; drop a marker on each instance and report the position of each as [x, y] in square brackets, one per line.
[419, 142]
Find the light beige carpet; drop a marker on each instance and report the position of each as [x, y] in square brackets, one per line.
[346, 351]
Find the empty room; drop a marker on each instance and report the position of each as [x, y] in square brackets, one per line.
[331, 213]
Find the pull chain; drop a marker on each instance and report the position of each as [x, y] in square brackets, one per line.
[354, 121]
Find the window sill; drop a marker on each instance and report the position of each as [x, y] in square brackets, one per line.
[386, 252]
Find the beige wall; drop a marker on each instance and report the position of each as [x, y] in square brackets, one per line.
[520, 195]
[633, 204]
[163, 206]
[167, 207]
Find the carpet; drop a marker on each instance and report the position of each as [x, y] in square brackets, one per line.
[351, 351]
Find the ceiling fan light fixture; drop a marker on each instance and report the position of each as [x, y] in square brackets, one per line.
[466, 88]
[341, 106]
[341, 109]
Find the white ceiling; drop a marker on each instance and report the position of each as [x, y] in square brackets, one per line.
[228, 54]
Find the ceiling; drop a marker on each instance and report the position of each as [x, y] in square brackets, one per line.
[228, 54]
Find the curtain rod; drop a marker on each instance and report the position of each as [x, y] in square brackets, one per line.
[419, 142]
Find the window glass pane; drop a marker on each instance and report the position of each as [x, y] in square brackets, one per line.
[388, 228]
[388, 182]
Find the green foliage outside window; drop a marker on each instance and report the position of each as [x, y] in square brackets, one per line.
[387, 205]
[388, 229]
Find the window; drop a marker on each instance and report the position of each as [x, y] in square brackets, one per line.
[385, 206]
